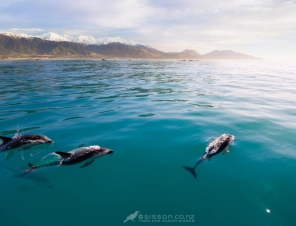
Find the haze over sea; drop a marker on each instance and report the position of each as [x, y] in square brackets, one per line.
[157, 116]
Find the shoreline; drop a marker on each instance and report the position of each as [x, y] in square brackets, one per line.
[48, 58]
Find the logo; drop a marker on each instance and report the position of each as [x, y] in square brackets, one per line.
[160, 218]
[132, 216]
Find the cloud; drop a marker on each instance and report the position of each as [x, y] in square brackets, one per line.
[169, 25]
[111, 14]
[27, 30]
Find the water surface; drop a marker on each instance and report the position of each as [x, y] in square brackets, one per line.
[157, 116]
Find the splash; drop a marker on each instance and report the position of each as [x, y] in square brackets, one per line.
[17, 133]
[50, 159]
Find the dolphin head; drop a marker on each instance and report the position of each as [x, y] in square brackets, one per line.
[46, 139]
[229, 138]
[106, 151]
[99, 151]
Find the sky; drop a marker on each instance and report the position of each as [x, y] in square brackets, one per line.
[261, 28]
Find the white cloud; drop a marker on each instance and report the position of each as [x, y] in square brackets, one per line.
[117, 14]
[169, 25]
[28, 30]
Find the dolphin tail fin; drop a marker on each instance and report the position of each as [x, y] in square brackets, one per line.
[191, 170]
[31, 168]
[31, 165]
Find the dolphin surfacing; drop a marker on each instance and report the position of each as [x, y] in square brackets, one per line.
[21, 143]
[83, 154]
[215, 147]
[29, 140]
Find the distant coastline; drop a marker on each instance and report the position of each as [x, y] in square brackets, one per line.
[43, 58]
[15, 47]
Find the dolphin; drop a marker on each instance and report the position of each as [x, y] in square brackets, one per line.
[83, 154]
[21, 142]
[215, 147]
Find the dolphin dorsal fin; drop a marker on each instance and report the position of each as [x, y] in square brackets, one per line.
[64, 154]
[5, 139]
[30, 165]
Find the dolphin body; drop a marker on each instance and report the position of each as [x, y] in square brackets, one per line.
[81, 154]
[75, 156]
[215, 147]
[21, 142]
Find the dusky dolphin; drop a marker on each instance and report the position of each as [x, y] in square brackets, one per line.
[21, 142]
[215, 147]
[83, 154]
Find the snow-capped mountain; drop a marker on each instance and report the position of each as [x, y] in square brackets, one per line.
[116, 39]
[82, 39]
[90, 40]
[51, 44]
[16, 35]
[50, 36]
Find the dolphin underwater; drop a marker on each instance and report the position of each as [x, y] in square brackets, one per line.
[215, 147]
[21, 142]
[75, 156]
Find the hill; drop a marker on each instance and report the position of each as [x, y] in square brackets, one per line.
[23, 46]
[227, 55]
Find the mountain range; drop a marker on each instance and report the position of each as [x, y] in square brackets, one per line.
[51, 45]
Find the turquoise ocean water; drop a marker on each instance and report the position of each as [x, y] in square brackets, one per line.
[157, 116]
